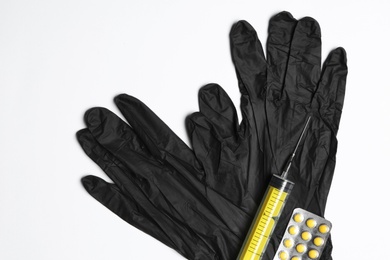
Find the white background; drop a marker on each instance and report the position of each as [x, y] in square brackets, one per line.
[59, 58]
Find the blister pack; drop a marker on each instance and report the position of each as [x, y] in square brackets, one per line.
[305, 236]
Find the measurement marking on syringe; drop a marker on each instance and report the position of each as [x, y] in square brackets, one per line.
[253, 252]
[269, 212]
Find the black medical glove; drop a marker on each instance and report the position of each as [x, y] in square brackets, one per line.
[278, 94]
[158, 185]
[151, 167]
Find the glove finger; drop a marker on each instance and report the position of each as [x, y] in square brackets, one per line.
[135, 212]
[172, 190]
[114, 133]
[223, 172]
[331, 90]
[122, 141]
[138, 169]
[280, 34]
[304, 65]
[251, 68]
[181, 237]
[317, 201]
[109, 194]
[216, 105]
[111, 139]
[200, 131]
[175, 174]
[161, 141]
[103, 157]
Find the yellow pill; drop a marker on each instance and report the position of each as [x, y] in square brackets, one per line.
[293, 230]
[295, 258]
[323, 229]
[311, 223]
[301, 248]
[288, 243]
[313, 254]
[306, 235]
[283, 255]
[318, 241]
[298, 218]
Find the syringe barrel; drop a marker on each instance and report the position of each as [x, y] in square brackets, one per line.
[266, 219]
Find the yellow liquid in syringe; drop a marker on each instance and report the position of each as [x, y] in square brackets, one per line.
[269, 212]
[265, 220]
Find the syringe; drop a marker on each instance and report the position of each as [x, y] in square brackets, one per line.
[269, 211]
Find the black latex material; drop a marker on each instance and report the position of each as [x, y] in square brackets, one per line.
[201, 201]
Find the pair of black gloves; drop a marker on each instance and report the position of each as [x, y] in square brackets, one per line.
[201, 201]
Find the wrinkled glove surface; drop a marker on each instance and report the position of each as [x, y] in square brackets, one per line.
[201, 202]
[278, 94]
[158, 184]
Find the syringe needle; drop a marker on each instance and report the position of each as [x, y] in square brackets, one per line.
[285, 172]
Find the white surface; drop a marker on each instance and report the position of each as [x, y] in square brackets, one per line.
[59, 58]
